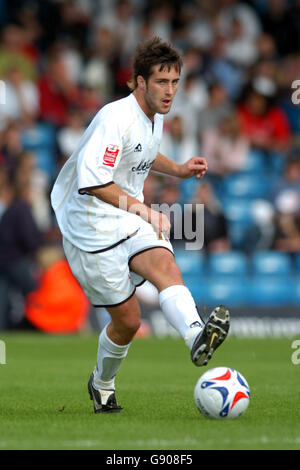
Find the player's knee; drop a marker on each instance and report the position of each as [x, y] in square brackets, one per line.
[166, 273]
[131, 325]
[169, 268]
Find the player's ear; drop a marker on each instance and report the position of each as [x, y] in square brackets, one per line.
[141, 82]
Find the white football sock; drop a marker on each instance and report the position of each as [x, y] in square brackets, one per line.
[109, 359]
[180, 310]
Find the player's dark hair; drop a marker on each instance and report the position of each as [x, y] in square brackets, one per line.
[150, 53]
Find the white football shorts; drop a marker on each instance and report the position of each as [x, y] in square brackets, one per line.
[105, 276]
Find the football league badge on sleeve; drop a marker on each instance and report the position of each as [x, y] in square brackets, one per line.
[110, 155]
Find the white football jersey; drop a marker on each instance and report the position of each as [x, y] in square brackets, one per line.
[119, 146]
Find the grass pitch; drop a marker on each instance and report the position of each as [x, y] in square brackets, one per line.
[45, 404]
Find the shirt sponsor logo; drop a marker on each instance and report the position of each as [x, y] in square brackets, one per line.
[138, 148]
[110, 155]
[142, 167]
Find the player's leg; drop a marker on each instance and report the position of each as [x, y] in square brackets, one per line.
[106, 281]
[159, 267]
[113, 345]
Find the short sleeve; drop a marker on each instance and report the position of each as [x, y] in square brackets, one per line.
[99, 154]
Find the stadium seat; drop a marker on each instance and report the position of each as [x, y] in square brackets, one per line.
[189, 261]
[41, 141]
[238, 233]
[255, 163]
[197, 286]
[237, 210]
[46, 161]
[296, 291]
[270, 292]
[297, 262]
[229, 292]
[187, 189]
[40, 136]
[277, 163]
[271, 264]
[246, 186]
[229, 264]
[239, 218]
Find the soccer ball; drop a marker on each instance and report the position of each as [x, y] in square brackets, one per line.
[222, 393]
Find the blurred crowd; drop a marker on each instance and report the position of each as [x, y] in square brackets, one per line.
[62, 60]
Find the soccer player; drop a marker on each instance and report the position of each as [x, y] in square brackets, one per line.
[112, 240]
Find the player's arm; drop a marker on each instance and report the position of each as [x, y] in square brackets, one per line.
[114, 195]
[194, 166]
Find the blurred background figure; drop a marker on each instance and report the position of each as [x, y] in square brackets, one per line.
[61, 61]
[287, 237]
[70, 134]
[262, 232]
[215, 226]
[57, 91]
[224, 147]
[20, 240]
[290, 179]
[216, 109]
[263, 123]
[177, 143]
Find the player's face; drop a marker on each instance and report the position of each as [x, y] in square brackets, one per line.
[160, 89]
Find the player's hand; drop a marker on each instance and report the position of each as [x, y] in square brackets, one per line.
[160, 223]
[196, 166]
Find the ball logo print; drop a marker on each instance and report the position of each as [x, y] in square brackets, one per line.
[221, 393]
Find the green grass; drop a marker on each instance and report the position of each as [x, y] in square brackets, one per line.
[45, 404]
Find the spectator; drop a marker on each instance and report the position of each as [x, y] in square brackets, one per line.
[224, 147]
[266, 48]
[287, 237]
[97, 72]
[122, 21]
[60, 62]
[161, 20]
[190, 99]
[262, 121]
[57, 92]
[290, 180]
[230, 10]
[70, 134]
[27, 172]
[260, 234]
[11, 147]
[5, 191]
[21, 98]
[53, 310]
[280, 24]
[240, 47]
[12, 54]
[19, 241]
[151, 188]
[201, 23]
[217, 108]
[176, 144]
[215, 225]
[221, 69]
[169, 197]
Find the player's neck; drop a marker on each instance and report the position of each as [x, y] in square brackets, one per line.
[139, 96]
